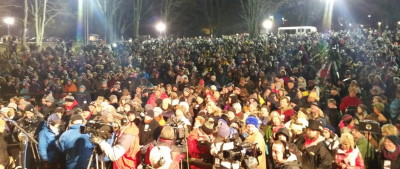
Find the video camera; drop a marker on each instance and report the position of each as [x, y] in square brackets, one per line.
[243, 152]
[97, 128]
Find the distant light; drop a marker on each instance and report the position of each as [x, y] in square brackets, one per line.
[9, 20]
[398, 23]
[267, 24]
[161, 27]
[362, 26]
[350, 24]
[369, 16]
[114, 45]
[271, 17]
[379, 23]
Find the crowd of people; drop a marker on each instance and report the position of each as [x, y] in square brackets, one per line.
[316, 100]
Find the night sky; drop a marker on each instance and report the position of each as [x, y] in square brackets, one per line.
[297, 12]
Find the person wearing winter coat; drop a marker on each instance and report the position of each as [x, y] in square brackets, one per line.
[315, 155]
[283, 135]
[124, 153]
[348, 156]
[350, 100]
[76, 147]
[48, 105]
[254, 136]
[389, 157]
[331, 139]
[4, 158]
[365, 147]
[70, 87]
[83, 97]
[199, 145]
[47, 141]
[283, 158]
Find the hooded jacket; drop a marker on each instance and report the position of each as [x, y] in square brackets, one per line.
[47, 145]
[76, 147]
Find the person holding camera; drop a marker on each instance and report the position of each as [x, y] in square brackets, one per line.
[199, 145]
[124, 152]
[224, 145]
[254, 136]
[47, 141]
[282, 156]
[76, 146]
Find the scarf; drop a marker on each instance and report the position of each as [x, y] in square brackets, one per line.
[309, 141]
[391, 156]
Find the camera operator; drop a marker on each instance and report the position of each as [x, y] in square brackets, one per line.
[76, 147]
[199, 145]
[47, 141]
[31, 120]
[254, 136]
[223, 143]
[282, 156]
[124, 152]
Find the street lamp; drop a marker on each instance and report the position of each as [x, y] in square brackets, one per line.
[9, 21]
[283, 21]
[379, 25]
[161, 27]
[267, 25]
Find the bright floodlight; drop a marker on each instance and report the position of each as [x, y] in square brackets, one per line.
[267, 24]
[9, 20]
[161, 27]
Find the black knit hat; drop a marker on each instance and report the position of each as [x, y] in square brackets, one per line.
[394, 139]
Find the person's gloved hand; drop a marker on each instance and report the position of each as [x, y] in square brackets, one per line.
[95, 139]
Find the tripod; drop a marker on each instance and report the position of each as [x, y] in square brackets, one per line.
[27, 141]
[94, 154]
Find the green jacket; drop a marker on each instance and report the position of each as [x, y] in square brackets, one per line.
[365, 147]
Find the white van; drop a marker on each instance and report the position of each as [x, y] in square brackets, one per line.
[296, 30]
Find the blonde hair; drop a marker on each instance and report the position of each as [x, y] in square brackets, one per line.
[390, 129]
[347, 137]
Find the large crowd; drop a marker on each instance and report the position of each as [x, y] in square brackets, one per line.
[316, 100]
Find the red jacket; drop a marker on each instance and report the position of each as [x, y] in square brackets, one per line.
[349, 101]
[196, 150]
[152, 100]
[288, 113]
[352, 158]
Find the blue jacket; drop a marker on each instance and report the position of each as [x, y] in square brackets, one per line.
[47, 145]
[76, 147]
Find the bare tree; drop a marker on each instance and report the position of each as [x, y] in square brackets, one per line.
[44, 12]
[140, 9]
[253, 12]
[171, 10]
[119, 17]
[24, 24]
[212, 10]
